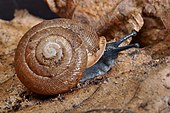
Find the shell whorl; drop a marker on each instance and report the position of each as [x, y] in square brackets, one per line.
[52, 49]
[51, 57]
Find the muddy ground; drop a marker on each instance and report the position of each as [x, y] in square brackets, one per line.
[138, 83]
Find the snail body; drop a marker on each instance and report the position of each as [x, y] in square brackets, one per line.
[107, 61]
[52, 56]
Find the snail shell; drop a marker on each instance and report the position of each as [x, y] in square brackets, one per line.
[52, 56]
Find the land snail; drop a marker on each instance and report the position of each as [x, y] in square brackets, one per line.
[53, 56]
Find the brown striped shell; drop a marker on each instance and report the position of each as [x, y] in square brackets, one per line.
[52, 56]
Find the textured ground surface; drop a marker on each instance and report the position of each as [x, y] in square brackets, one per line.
[139, 82]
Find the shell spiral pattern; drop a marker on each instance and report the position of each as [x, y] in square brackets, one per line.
[51, 57]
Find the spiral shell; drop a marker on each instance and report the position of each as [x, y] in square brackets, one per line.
[51, 57]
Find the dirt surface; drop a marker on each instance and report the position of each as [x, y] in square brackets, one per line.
[138, 83]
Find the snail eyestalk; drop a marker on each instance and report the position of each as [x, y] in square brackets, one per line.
[116, 44]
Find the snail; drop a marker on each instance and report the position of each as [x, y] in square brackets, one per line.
[53, 56]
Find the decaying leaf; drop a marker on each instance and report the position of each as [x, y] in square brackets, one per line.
[156, 14]
[111, 18]
[115, 18]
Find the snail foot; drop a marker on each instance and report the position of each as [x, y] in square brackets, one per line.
[100, 68]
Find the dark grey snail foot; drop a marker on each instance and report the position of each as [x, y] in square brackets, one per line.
[108, 59]
[100, 68]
